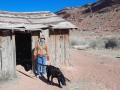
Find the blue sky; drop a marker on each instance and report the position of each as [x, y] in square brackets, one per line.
[40, 5]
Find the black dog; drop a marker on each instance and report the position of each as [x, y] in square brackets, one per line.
[55, 72]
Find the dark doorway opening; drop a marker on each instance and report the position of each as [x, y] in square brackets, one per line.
[23, 50]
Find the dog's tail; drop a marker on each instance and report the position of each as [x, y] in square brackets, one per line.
[67, 79]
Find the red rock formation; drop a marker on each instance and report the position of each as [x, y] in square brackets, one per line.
[105, 16]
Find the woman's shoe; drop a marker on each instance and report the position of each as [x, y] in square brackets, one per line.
[37, 76]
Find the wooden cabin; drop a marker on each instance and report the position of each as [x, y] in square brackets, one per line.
[19, 33]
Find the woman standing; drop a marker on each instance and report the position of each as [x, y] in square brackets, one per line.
[41, 51]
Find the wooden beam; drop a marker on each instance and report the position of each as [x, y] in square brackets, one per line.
[0, 52]
[26, 74]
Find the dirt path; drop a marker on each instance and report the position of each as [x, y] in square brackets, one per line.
[87, 72]
[95, 71]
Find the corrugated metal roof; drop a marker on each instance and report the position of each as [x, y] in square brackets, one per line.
[32, 20]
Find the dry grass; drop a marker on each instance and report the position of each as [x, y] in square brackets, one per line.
[96, 43]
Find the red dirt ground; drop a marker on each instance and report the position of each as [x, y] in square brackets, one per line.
[87, 72]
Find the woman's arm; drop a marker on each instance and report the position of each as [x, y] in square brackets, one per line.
[47, 53]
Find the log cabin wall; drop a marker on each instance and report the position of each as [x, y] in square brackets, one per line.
[58, 44]
[57, 39]
[59, 48]
[7, 55]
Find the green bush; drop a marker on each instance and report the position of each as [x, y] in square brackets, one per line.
[112, 43]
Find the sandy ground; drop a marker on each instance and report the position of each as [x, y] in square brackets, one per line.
[88, 71]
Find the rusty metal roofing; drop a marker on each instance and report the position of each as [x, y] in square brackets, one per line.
[32, 20]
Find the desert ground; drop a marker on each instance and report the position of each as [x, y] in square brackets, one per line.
[93, 66]
[88, 70]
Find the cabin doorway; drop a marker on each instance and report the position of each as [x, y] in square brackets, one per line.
[23, 50]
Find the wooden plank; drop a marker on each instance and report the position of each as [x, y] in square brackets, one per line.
[61, 46]
[52, 49]
[5, 60]
[26, 74]
[4, 53]
[62, 49]
[33, 42]
[34, 39]
[58, 51]
[0, 60]
[14, 54]
[9, 55]
[67, 48]
[0, 52]
[7, 69]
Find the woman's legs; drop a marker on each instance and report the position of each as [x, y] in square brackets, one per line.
[44, 63]
[39, 61]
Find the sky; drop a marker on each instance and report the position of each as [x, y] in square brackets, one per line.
[40, 5]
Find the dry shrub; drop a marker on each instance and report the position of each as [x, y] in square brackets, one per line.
[97, 43]
[77, 41]
[105, 43]
[112, 43]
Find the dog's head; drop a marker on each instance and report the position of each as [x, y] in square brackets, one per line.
[62, 79]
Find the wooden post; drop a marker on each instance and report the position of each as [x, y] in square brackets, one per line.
[62, 47]
[32, 51]
[66, 47]
[14, 52]
[0, 52]
[53, 46]
[34, 38]
[8, 56]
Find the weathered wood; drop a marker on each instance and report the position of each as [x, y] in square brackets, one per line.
[67, 47]
[0, 52]
[58, 43]
[57, 46]
[14, 54]
[60, 46]
[53, 49]
[4, 53]
[26, 74]
[5, 61]
[53, 54]
[34, 39]
[8, 64]
[62, 49]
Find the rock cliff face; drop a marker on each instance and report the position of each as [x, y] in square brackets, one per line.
[103, 15]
